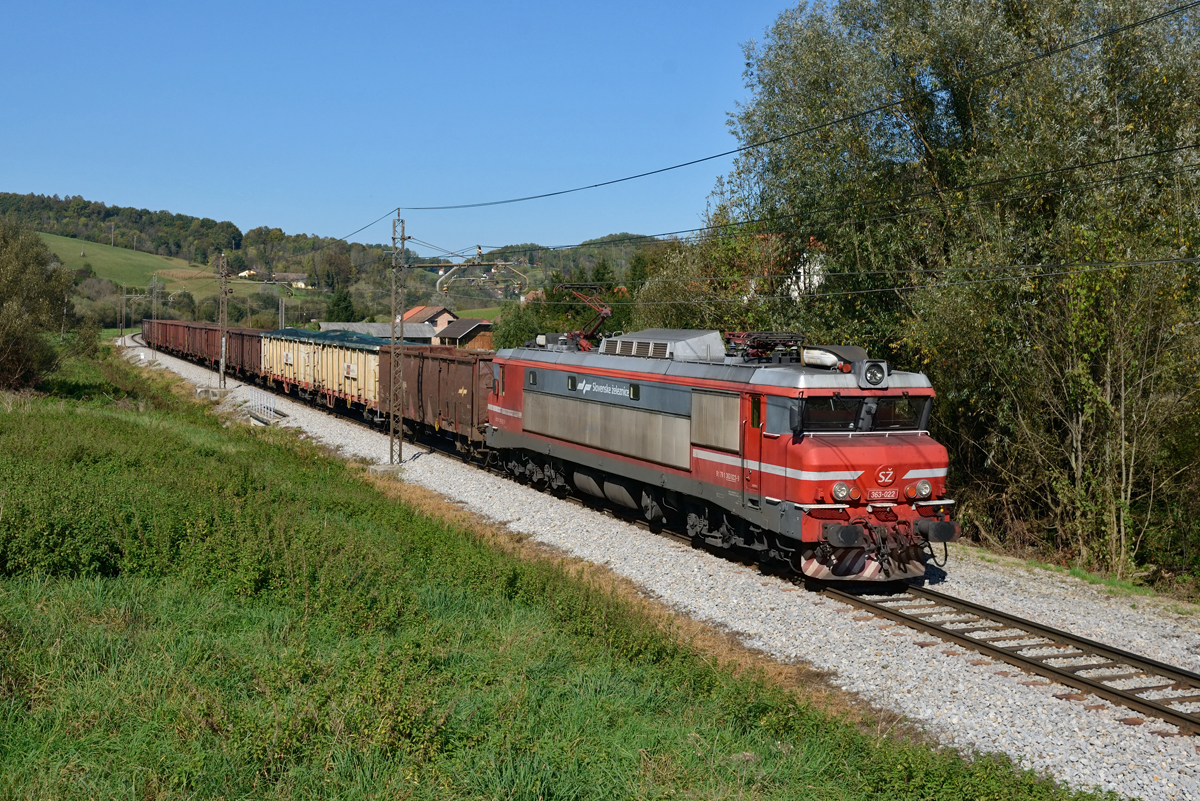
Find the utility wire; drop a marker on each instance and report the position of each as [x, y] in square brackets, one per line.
[857, 204]
[819, 126]
[830, 209]
[1083, 267]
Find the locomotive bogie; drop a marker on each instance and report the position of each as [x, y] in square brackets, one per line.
[767, 456]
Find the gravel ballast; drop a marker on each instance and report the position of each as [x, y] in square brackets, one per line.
[960, 697]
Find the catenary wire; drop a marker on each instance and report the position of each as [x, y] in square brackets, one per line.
[845, 207]
[810, 129]
[1084, 267]
[919, 209]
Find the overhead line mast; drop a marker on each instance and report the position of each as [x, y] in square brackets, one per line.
[399, 263]
[223, 269]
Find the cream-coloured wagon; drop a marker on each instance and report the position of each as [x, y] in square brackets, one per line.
[339, 365]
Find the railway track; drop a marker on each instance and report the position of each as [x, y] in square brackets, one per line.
[1143, 685]
[1075, 662]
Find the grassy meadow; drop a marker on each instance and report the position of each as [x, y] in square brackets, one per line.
[490, 313]
[135, 268]
[192, 608]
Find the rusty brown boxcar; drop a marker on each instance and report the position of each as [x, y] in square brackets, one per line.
[202, 342]
[445, 390]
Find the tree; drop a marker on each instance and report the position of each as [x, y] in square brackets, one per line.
[517, 325]
[341, 308]
[602, 274]
[33, 288]
[337, 271]
[1065, 392]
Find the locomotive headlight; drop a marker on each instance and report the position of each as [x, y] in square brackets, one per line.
[924, 489]
[841, 491]
[874, 374]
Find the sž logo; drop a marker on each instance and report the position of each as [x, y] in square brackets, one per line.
[885, 475]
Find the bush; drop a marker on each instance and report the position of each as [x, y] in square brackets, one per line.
[33, 289]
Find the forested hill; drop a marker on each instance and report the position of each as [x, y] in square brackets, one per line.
[576, 263]
[193, 238]
[158, 232]
[270, 250]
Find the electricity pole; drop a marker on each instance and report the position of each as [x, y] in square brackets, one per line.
[396, 443]
[126, 296]
[154, 313]
[281, 313]
[224, 304]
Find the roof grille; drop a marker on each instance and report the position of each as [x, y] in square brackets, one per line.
[667, 343]
[641, 348]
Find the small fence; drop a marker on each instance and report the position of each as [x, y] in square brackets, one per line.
[261, 407]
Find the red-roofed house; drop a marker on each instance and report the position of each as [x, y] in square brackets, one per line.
[437, 316]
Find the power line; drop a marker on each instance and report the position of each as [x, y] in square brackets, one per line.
[858, 204]
[845, 207]
[810, 129]
[1074, 269]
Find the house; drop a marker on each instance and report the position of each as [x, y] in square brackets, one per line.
[414, 333]
[437, 316]
[247, 274]
[299, 285]
[468, 332]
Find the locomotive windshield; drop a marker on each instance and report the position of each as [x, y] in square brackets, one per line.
[831, 414]
[849, 414]
[898, 414]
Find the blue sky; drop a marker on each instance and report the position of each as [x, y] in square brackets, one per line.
[318, 118]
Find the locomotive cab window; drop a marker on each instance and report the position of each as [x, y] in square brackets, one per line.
[831, 414]
[571, 383]
[756, 412]
[899, 414]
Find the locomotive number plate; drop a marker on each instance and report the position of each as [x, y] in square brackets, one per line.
[883, 494]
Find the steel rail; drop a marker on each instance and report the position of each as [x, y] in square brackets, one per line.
[1104, 656]
[987, 618]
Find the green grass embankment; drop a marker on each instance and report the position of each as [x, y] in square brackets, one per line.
[194, 610]
[137, 269]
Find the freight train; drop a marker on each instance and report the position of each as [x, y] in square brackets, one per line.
[813, 457]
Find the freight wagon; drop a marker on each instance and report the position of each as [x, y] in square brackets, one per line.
[201, 342]
[446, 388]
[817, 457]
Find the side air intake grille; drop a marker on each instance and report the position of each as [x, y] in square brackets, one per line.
[658, 350]
[609, 346]
[625, 348]
[641, 349]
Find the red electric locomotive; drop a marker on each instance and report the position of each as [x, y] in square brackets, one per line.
[816, 455]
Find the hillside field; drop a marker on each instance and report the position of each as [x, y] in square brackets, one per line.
[132, 267]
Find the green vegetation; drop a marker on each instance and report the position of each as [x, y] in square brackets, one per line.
[139, 270]
[117, 264]
[1054, 314]
[33, 299]
[190, 609]
[490, 313]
